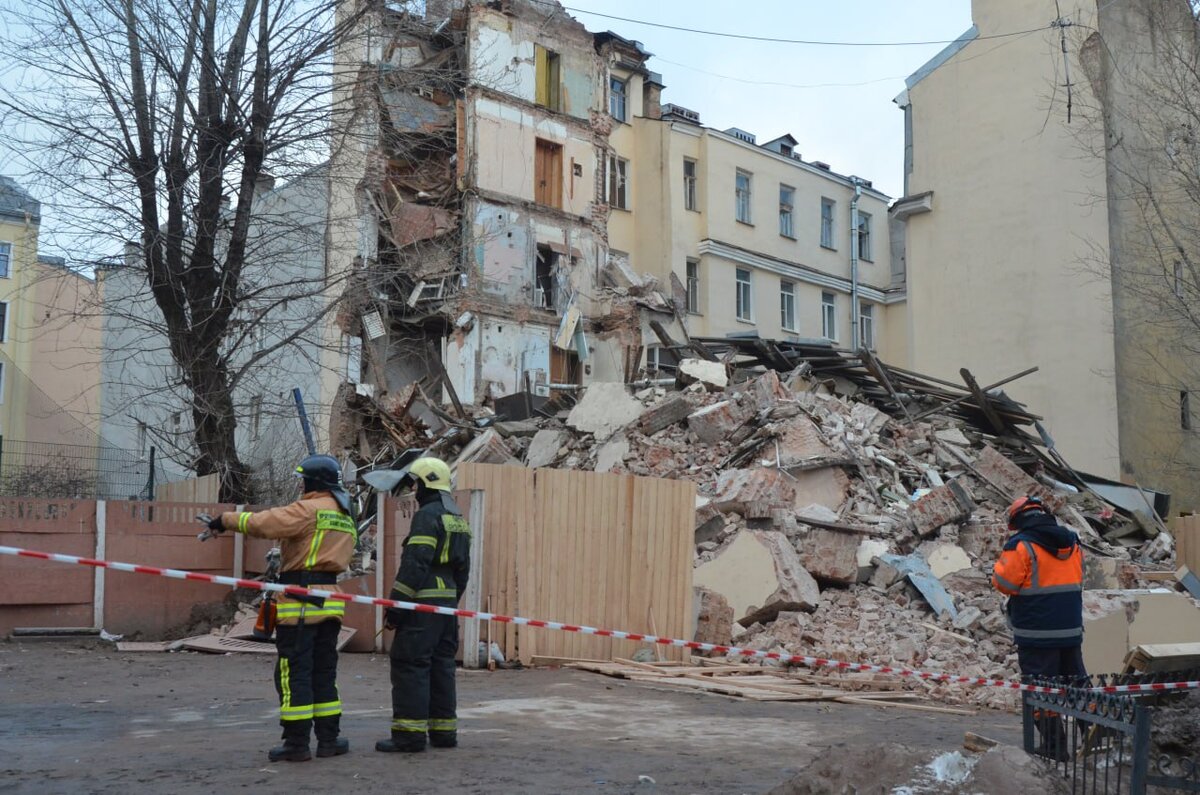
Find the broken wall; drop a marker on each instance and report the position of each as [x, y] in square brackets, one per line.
[502, 55]
[493, 357]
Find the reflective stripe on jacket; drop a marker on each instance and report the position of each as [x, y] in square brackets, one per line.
[436, 560]
[314, 535]
[1045, 586]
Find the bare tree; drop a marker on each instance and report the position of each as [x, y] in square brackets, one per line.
[158, 121]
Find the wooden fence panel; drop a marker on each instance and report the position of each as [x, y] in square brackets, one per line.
[585, 548]
[1187, 541]
[38, 593]
[206, 489]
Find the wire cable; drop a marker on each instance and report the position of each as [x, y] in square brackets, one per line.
[775, 40]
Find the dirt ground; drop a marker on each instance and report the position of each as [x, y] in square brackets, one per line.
[84, 718]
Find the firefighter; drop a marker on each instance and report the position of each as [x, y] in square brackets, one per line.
[434, 566]
[1041, 571]
[317, 536]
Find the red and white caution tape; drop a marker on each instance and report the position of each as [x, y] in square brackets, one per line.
[796, 659]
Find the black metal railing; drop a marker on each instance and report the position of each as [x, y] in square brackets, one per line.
[1108, 742]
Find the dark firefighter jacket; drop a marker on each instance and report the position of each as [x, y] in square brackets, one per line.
[436, 560]
[1041, 569]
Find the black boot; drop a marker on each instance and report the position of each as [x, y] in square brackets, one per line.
[329, 743]
[402, 742]
[295, 743]
[441, 739]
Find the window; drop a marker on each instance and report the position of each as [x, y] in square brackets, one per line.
[544, 278]
[1177, 288]
[866, 326]
[787, 305]
[547, 174]
[255, 415]
[547, 70]
[618, 91]
[5, 260]
[1185, 410]
[742, 191]
[143, 434]
[693, 286]
[689, 185]
[745, 308]
[1, 383]
[864, 236]
[787, 195]
[829, 316]
[618, 182]
[827, 206]
[661, 359]
[3, 321]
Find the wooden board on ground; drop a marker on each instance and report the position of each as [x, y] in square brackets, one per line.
[755, 683]
[223, 645]
[145, 645]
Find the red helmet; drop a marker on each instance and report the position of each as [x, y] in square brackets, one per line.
[1023, 504]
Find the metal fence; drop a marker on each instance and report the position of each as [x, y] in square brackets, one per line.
[71, 471]
[1108, 742]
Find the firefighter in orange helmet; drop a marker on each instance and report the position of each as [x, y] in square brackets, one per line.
[1041, 571]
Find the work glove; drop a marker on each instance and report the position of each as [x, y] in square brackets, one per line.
[215, 524]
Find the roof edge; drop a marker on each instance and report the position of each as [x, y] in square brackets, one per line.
[948, 52]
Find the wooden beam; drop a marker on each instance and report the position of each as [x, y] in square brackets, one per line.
[965, 398]
[880, 375]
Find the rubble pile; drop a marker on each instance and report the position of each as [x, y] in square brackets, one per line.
[825, 524]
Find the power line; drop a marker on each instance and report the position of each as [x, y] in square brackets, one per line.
[771, 39]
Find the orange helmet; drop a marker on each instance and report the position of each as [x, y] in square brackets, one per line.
[1023, 504]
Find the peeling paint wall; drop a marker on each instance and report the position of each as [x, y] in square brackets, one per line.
[492, 359]
[505, 143]
[502, 52]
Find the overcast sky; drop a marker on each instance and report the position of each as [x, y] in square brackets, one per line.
[853, 126]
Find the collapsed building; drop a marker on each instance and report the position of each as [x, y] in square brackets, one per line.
[477, 274]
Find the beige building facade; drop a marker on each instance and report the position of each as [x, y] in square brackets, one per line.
[763, 241]
[1019, 230]
[49, 335]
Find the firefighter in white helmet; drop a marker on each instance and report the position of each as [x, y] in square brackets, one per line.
[434, 566]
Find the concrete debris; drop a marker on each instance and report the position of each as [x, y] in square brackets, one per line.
[759, 574]
[605, 408]
[827, 522]
[712, 374]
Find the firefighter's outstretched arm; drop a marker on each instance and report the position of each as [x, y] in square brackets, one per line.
[287, 521]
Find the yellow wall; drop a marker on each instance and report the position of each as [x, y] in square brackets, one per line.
[661, 234]
[996, 272]
[16, 349]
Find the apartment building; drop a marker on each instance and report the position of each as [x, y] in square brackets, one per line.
[763, 241]
[49, 335]
[1035, 232]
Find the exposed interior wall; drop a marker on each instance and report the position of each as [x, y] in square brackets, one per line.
[995, 281]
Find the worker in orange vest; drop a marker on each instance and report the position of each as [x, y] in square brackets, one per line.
[1041, 571]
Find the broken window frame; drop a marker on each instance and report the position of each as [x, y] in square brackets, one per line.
[828, 207]
[689, 185]
[829, 316]
[617, 184]
[744, 297]
[618, 98]
[544, 283]
[743, 185]
[787, 305]
[692, 274]
[787, 200]
[866, 326]
[864, 237]
[547, 78]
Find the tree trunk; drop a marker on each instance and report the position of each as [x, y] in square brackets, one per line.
[216, 423]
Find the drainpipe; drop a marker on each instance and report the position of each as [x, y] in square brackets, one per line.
[854, 341]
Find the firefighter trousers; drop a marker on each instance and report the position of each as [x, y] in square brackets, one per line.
[423, 696]
[306, 680]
